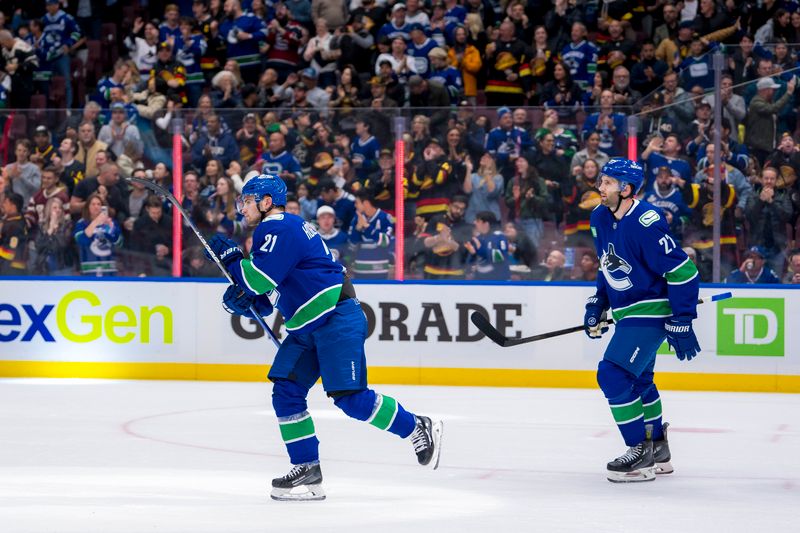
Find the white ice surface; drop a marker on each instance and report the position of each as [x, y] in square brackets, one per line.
[88, 456]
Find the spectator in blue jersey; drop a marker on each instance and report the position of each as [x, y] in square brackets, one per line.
[580, 56]
[507, 142]
[448, 76]
[170, 28]
[98, 236]
[64, 36]
[665, 151]
[118, 79]
[419, 48]
[665, 192]
[608, 123]
[364, 150]
[336, 240]
[397, 26]
[243, 32]
[754, 269]
[214, 144]
[372, 232]
[278, 161]
[342, 202]
[190, 47]
[697, 69]
[488, 249]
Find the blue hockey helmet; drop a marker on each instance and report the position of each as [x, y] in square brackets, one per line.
[624, 171]
[264, 185]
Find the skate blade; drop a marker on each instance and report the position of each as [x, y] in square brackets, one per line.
[664, 468]
[637, 476]
[301, 493]
[437, 430]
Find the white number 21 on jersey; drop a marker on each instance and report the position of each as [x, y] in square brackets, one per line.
[269, 243]
[668, 243]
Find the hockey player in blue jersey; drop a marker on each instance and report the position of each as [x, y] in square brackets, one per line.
[291, 268]
[651, 288]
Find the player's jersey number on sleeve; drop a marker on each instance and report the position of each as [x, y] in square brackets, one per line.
[668, 244]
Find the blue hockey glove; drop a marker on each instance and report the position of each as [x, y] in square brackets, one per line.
[236, 301]
[594, 321]
[224, 248]
[681, 337]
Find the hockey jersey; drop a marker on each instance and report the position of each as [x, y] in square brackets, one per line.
[450, 78]
[276, 164]
[581, 59]
[291, 268]
[374, 254]
[492, 256]
[501, 143]
[246, 53]
[59, 30]
[420, 54]
[645, 277]
[189, 54]
[365, 153]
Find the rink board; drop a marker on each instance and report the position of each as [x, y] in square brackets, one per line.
[419, 333]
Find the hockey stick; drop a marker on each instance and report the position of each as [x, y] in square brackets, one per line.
[483, 324]
[161, 191]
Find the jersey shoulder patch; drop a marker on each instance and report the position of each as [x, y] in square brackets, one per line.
[649, 217]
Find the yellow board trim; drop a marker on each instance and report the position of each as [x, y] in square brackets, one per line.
[465, 377]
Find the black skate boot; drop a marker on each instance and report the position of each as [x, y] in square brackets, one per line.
[302, 483]
[635, 465]
[427, 441]
[661, 453]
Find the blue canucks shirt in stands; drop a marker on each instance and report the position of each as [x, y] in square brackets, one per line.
[374, 253]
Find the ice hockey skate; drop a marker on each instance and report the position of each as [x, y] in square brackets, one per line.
[635, 465]
[427, 441]
[302, 483]
[661, 454]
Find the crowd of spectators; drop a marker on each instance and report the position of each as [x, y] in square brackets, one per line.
[512, 108]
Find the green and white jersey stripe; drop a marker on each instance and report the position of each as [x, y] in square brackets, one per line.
[256, 279]
[683, 273]
[316, 306]
[652, 410]
[625, 413]
[384, 412]
[296, 427]
[658, 308]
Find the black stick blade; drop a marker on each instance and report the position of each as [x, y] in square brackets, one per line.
[483, 324]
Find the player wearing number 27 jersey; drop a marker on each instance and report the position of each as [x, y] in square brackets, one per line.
[650, 287]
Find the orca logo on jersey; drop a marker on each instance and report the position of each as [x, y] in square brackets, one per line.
[611, 262]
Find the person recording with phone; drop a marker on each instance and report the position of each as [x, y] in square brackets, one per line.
[98, 236]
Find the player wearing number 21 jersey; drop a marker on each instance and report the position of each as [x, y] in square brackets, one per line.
[291, 268]
[650, 287]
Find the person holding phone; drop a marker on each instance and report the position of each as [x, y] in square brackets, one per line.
[97, 235]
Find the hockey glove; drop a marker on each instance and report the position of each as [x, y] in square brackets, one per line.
[681, 337]
[224, 248]
[238, 302]
[594, 321]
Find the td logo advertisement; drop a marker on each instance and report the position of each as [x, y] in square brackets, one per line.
[751, 326]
